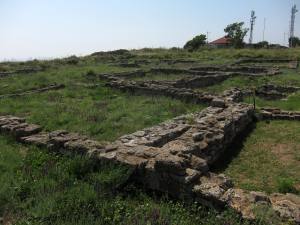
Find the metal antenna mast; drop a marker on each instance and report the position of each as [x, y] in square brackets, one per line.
[292, 25]
[252, 22]
[264, 29]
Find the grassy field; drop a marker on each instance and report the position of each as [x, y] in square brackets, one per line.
[268, 160]
[161, 77]
[99, 112]
[43, 188]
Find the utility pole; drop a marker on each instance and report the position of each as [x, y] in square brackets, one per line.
[284, 40]
[292, 25]
[207, 33]
[252, 22]
[264, 29]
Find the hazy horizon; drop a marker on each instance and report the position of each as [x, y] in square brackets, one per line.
[52, 28]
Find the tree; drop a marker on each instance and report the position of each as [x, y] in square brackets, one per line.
[236, 33]
[294, 41]
[261, 44]
[195, 43]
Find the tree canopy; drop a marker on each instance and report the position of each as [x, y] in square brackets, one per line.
[195, 43]
[294, 41]
[236, 33]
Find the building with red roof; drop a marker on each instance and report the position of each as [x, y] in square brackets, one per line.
[221, 42]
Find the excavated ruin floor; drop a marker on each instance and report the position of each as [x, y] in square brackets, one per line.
[180, 157]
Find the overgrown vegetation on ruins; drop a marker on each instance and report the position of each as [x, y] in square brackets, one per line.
[40, 187]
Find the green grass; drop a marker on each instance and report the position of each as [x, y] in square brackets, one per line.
[42, 188]
[217, 56]
[161, 77]
[287, 78]
[292, 103]
[99, 112]
[269, 159]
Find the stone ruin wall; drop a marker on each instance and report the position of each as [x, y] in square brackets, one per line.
[174, 157]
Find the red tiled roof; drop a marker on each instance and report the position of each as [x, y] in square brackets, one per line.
[221, 41]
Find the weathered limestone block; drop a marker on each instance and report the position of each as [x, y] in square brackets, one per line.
[241, 201]
[10, 119]
[233, 95]
[84, 146]
[212, 131]
[211, 188]
[287, 206]
[17, 127]
[218, 102]
[40, 139]
[155, 136]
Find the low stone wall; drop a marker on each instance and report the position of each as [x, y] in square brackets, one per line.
[161, 88]
[19, 71]
[34, 90]
[290, 63]
[204, 71]
[130, 74]
[176, 89]
[278, 114]
[181, 71]
[173, 157]
[201, 81]
[243, 70]
[270, 91]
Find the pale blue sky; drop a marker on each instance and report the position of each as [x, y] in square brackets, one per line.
[56, 28]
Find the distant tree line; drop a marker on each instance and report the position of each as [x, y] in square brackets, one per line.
[236, 33]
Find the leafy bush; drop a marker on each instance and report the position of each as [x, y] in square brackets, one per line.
[294, 42]
[72, 60]
[286, 185]
[195, 43]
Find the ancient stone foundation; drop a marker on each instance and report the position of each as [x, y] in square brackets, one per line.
[20, 71]
[278, 114]
[290, 63]
[34, 90]
[173, 157]
[271, 91]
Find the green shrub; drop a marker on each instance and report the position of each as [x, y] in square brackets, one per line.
[286, 185]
